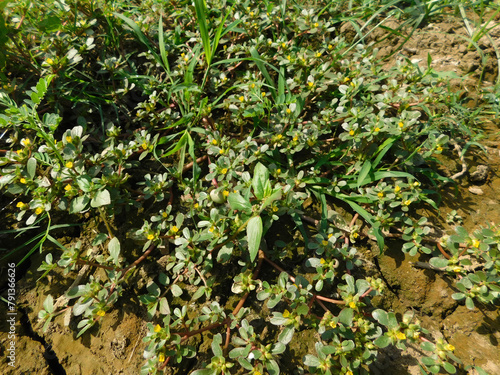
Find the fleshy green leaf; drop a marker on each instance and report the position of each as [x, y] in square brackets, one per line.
[254, 234]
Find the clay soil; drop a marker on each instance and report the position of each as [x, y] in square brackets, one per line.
[117, 347]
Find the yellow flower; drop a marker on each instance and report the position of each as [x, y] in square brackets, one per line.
[457, 270]
[322, 261]
[69, 139]
[475, 243]
[221, 151]
[196, 205]
[164, 214]
[225, 193]
[50, 61]
[275, 209]
[212, 228]
[22, 180]
[310, 83]
[352, 305]
[157, 328]
[241, 98]
[161, 358]
[175, 229]
[263, 94]
[286, 314]
[283, 45]
[214, 142]
[68, 187]
[346, 79]
[439, 148]
[324, 242]
[318, 54]
[101, 313]
[257, 372]
[400, 336]
[401, 125]
[330, 235]
[351, 132]
[144, 146]
[21, 205]
[295, 138]
[449, 347]
[19, 151]
[151, 236]
[69, 164]
[26, 142]
[380, 194]
[355, 235]
[251, 14]
[330, 47]
[397, 189]
[224, 171]
[252, 85]
[407, 202]
[278, 171]
[416, 184]
[377, 129]
[316, 24]
[38, 210]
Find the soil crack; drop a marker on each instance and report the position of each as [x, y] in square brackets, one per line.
[382, 276]
[50, 356]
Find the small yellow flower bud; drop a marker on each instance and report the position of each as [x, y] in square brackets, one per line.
[157, 328]
[151, 236]
[22, 180]
[224, 171]
[241, 98]
[38, 210]
[101, 313]
[175, 229]
[69, 164]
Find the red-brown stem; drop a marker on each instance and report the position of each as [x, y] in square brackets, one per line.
[367, 292]
[188, 166]
[353, 221]
[335, 301]
[140, 259]
[442, 251]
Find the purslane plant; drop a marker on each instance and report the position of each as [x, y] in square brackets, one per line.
[225, 146]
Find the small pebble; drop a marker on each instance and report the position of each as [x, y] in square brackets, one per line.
[476, 190]
[480, 174]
